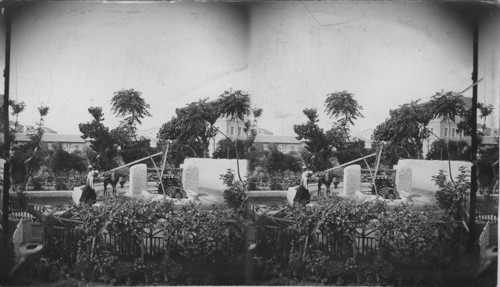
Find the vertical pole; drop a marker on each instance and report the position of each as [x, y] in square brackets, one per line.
[6, 132]
[474, 141]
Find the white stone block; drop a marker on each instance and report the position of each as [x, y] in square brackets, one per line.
[138, 179]
[352, 179]
[404, 179]
[190, 178]
[290, 194]
[77, 194]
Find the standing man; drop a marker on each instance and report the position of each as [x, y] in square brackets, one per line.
[304, 178]
[91, 176]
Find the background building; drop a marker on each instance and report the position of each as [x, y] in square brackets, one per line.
[69, 143]
[285, 144]
[442, 129]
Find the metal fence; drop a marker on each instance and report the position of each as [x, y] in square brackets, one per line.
[485, 211]
[361, 245]
[145, 244]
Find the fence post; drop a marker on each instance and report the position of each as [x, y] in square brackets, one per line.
[354, 247]
[305, 247]
[142, 246]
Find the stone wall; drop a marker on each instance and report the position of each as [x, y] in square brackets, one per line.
[423, 170]
[211, 169]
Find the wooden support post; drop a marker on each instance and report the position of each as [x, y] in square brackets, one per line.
[474, 141]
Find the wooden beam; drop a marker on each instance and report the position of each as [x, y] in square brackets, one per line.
[347, 163]
[136, 161]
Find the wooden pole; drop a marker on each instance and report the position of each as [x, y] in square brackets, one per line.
[376, 169]
[474, 141]
[347, 163]
[164, 162]
[6, 131]
[136, 161]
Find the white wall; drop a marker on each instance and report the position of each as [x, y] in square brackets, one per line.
[423, 170]
[211, 169]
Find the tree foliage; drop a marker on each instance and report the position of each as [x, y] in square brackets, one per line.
[270, 169]
[406, 128]
[452, 150]
[102, 140]
[61, 160]
[226, 148]
[353, 150]
[27, 158]
[323, 145]
[319, 143]
[112, 146]
[193, 126]
[344, 108]
[130, 105]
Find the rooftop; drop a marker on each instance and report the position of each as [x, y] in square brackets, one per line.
[52, 138]
[490, 140]
[261, 138]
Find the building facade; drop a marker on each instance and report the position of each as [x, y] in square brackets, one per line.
[231, 128]
[448, 130]
[69, 143]
[284, 144]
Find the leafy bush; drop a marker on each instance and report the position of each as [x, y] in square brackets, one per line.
[235, 196]
[301, 253]
[67, 180]
[122, 215]
[194, 239]
[409, 241]
[273, 170]
[203, 242]
[417, 241]
[451, 195]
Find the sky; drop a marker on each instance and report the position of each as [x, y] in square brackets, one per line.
[287, 55]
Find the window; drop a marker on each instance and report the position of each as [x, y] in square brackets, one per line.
[445, 132]
[232, 131]
[453, 132]
[239, 131]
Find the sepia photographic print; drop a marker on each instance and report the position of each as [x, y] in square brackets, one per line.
[336, 143]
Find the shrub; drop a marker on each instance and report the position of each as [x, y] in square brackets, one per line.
[417, 241]
[193, 239]
[67, 180]
[235, 196]
[409, 241]
[273, 170]
[206, 244]
[121, 215]
[451, 195]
